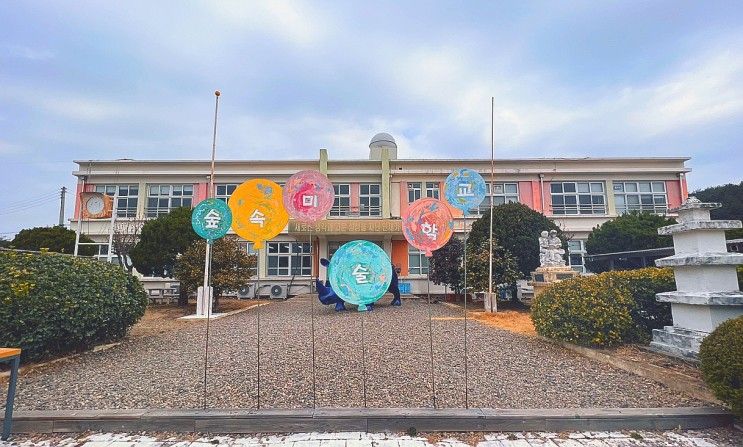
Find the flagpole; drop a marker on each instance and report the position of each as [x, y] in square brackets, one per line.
[492, 305]
[207, 297]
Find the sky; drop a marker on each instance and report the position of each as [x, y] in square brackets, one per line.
[135, 79]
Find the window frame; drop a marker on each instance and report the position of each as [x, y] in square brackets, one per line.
[433, 190]
[114, 190]
[229, 188]
[339, 209]
[415, 191]
[658, 199]
[155, 211]
[581, 252]
[575, 207]
[507, 197]
[367, 209]
[421, 266]
[287, 254]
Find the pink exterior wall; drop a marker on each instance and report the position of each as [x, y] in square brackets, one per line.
[547, 199]
[89, 187]
[526, 195]
[684, 189]
[199, 192]
[355, 190]
[673, 193]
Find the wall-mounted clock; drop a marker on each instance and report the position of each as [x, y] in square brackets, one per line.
[96, 205]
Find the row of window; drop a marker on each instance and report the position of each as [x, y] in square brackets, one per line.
[568, 198]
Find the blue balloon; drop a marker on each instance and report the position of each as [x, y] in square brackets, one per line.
[465, 189]
[360, 273]
[211, 219]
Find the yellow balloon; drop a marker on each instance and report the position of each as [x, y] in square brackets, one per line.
[258, 212]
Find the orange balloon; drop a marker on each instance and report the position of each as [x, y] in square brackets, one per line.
[258, 212]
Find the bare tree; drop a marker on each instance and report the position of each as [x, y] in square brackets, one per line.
[125, 237]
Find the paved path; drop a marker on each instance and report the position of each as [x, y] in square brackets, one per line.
[505, 370]
[704, 438]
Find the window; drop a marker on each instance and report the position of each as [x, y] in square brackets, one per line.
[570, 198]
[253, 252]
[370, 200]
[414, 191]
[224, 191]
[502, 193]
[342, 203]
[417, 261]
[432, 189]
[640, 196]
[333, 246]
[576, 251]
[289, 258]
[126, 198]
[163, 198]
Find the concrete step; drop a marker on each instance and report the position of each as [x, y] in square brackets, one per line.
[677, 341]
[674, 351]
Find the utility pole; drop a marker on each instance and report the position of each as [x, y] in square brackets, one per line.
[61, 205]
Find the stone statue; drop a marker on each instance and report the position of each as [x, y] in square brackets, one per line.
[550, 250]
[543, 246]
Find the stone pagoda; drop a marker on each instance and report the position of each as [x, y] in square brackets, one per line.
[706, 281]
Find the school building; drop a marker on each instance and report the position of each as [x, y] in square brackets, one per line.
[371, 194]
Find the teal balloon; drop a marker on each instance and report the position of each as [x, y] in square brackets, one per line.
[211, 219]
[464, 189]
[360, 273]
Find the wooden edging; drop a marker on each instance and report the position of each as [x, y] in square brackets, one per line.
[370, 420]
[691, 386]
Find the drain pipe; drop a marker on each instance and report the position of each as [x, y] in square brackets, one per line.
[541, 190]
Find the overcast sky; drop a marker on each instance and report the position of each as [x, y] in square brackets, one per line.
[132, 79]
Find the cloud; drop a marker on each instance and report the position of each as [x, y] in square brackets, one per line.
[707, 89]
[290, 21]
[28, 53]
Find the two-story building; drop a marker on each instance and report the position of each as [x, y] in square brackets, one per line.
[371, 195]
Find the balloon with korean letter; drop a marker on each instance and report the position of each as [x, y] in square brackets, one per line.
[211, 219]
[464, 189]
[258, 213]
[308, 196]
[360, 273]
[427, 225]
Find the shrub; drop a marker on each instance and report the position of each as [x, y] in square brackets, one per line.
[647, 313]
[604, 310]
[53, 304]
[721, 356]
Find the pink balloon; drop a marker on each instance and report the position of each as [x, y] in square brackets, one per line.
[308, 196]
[427, 225]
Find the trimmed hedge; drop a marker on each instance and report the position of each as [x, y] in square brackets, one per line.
[721, 357]
[52, 304]
[604, 310]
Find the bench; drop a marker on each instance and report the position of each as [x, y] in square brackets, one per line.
[12, 356]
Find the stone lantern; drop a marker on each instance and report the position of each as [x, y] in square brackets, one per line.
[706, 281]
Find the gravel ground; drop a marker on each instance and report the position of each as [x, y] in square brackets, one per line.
[505, 370]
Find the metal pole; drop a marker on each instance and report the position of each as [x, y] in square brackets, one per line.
[79, 216]
[430, 337]
[258, 340]
[466, 372]
[312, 319]
[109, 254]
[363, 358]
[491, 304]
[207, 296]
[61, 205]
